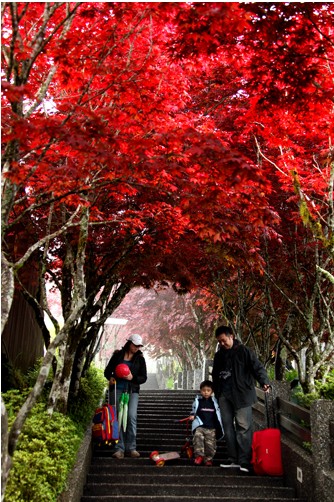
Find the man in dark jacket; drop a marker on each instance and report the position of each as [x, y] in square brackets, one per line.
[235, 368]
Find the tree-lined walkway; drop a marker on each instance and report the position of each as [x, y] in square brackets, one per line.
[161, 144]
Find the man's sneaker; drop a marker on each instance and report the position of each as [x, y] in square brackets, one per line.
[118, 454]
[230, 464]
[198, 461]
[244, 468]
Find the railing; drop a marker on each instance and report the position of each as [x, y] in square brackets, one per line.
[292, 419]
[307, 441]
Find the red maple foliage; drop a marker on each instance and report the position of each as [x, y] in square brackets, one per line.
[176, 326]
[154, 142]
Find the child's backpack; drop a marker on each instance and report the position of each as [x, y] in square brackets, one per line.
[105, 424]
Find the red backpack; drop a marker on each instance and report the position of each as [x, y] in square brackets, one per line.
[105, 424]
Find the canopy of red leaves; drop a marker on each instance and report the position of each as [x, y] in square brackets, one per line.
[175, 123]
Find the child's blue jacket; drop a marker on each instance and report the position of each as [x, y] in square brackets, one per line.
[197, 421]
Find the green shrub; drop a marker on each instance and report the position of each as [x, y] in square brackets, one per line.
[45, 454]
[305, 400]
[91, 391]
[291, 375]
[307, 446]
[48, 445]
[326, 390]
[13, 400]
[322, 391]
[170, 383]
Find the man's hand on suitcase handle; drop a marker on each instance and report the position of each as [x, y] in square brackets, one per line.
[266, 387]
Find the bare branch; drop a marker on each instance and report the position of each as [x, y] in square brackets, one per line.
[45, 239]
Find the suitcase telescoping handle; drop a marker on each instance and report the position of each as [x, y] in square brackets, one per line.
[270, 411]
[115, 389]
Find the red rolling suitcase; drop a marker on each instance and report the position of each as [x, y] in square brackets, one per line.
[266, 450]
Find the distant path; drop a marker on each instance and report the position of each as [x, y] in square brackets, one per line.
[151, 382]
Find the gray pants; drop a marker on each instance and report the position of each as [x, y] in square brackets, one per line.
[238, 431]
[204, 442]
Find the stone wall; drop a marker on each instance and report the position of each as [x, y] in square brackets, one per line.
[77, 477]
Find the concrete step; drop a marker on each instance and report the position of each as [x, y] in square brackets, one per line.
[171, 488]
[183, 498]
[184, 476]
[145, 429]
[106, 452]
[176, 413]
[140, 480]
[163, 433]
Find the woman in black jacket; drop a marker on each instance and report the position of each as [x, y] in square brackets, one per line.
[131, 356]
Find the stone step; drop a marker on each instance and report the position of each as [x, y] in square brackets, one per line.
[159, 441]
[162, 413]
[178, 411]
[145, 428]
[182, 461]
[169, 398]
[168, 392]
[165, 444]
[154, 421]
[140, 480]
[184, 476]
[183, 498]
[178, 489]
[174, 396]
[166, 434]
[107, 452]
[111, 465]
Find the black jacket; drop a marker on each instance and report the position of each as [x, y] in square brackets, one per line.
[245, 369]
[138, 369]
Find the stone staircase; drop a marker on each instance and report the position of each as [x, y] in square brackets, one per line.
[139, 480]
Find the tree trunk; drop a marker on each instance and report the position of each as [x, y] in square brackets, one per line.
[279, 362]
[58, 398]
[6, 459]
[7, 290]
[83, 358]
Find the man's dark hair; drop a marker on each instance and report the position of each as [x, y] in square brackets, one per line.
[206, 383]
[226, 330]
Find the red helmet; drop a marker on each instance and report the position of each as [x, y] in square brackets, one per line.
[122, 370]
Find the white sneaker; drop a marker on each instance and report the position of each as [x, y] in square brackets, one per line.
[229, 464]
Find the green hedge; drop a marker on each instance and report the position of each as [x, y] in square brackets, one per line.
[322, 391]
[47, 447]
